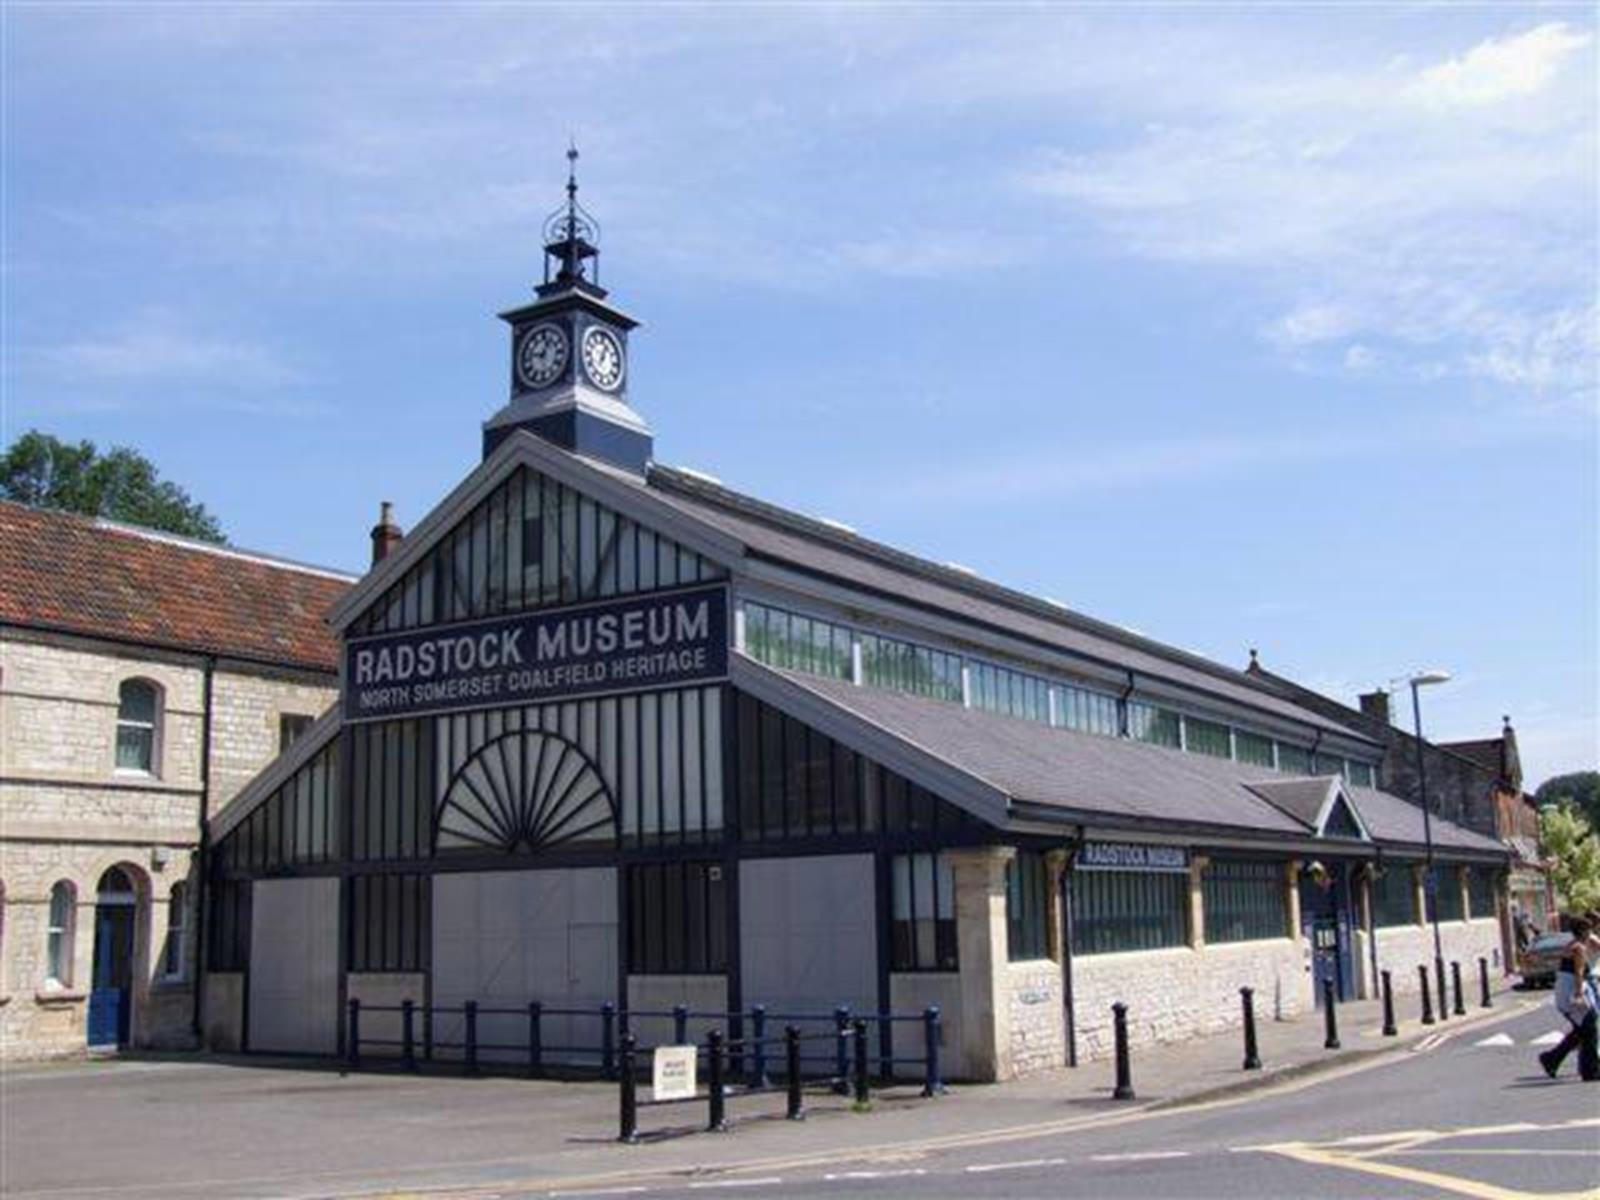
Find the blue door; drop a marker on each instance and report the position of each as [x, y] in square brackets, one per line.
[110, 1000]
[1325, 923]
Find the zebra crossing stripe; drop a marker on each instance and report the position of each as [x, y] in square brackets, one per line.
[1499, 1039]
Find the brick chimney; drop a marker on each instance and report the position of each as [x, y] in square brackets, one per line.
[1376, 705]
[386, 534]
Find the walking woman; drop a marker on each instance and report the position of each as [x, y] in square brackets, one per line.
[1575, 1000]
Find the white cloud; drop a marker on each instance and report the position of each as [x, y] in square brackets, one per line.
[1500, 69]
[157, 346]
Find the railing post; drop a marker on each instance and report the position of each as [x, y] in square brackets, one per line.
[1427, 995]
[1330, 1016]
[859, 1034]
[1119, 1023]
[408, 1034]
[791, 1068]
[608, 1040]
[758, 1057]
[680, 1024]
[1483, 983]
[1444, 1000]
[471, 1008]
[1455, 984]
[1252, 1055]
[718, 1121]
[535, 1037]
[427, 1032]
[1389, 1028]
[353, 1035]
[932, 1085]
[841, 1057]
[629, 1094]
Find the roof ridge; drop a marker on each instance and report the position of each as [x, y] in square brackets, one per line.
[696, 486]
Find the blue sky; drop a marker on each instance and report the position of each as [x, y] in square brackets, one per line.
[1238, 326]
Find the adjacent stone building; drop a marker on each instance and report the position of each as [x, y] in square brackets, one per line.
[144, 679]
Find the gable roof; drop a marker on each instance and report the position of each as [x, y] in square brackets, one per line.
[1312, 801]
[72, 574]
[1014, 772]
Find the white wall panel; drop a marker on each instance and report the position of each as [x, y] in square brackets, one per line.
[294, 966]
[807, 935]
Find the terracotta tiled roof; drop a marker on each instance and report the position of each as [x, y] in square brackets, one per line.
[79, 575]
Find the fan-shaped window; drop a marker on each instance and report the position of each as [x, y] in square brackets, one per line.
[526, 790]
[138, 723]
[59, 932]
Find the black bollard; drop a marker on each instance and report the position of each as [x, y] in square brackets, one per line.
[629, 1092]
[841, 1053]
[1247, 1002]
[1427, 996]
[1389, 1027]
[608, 1040]
[1119, 1021]
[680, 1024]
[353, 1035]
[932, 1085]
[791, 1069]
[1455, 982]
[1483, 984]
[535, 1037]
[1444, 1000]
[858, 1034]
[471, 1010]
[758, 1031]
[718, 1122]
[408, 1035]
[1330, 1016]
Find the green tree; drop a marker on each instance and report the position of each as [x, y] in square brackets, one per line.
[45, 472]
[1580, 789]
[1574, 853]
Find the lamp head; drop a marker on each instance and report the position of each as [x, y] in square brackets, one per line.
[1426, 678]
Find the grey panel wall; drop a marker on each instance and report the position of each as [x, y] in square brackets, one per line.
[505, 938]
[294, 966]
[807, 933]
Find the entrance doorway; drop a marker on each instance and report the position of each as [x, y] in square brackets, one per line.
[1325, 922]
[116, 909]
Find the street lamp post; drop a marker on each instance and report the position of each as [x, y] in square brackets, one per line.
[1420, 680]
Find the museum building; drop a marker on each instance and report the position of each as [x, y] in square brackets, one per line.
[610, 731]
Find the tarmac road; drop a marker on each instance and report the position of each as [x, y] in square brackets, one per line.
[1473, 1117]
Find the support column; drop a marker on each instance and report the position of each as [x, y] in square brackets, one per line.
[1197, 901]
[1291, 883]
[980, 878]
[1419, 896]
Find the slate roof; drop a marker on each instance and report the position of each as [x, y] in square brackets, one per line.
[1119, 781]
[1485, 752]
[1302, 799]
[817, 548]
[74, 574]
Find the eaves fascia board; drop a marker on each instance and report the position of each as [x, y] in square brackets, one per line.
[1162, 830]
[918, 763]
[519, 449]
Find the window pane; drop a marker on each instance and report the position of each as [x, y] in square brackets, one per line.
[137, 702]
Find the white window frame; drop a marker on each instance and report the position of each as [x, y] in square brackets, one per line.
[154, 725]
[59, 939]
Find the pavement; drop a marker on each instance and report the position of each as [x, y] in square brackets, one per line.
[199, 1125]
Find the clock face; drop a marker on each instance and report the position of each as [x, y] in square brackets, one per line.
[541, 355]
[602, 358]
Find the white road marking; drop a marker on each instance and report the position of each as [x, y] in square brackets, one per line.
[1548, 1039]
[874, 1174]
[736, 1183]
[1498, 1039]
[981, 1168]
[1145, 1157]
[616, 1191]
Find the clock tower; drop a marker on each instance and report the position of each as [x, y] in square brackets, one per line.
[569, 351]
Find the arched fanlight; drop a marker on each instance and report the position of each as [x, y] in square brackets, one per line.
[525, 790]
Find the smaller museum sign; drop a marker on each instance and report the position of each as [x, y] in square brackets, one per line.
[1130, 856]
[672, 1073]
[635, 644]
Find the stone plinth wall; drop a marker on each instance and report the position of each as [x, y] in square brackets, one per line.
[1038, 1020]
[1185, 992]
[222, 1019]
[698, 993]
[914, 991]
[386, 990]
[1401, 948]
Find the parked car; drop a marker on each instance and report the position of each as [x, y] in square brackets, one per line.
[1537, 963]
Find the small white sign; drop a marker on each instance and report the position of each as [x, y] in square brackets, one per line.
[672, 1073]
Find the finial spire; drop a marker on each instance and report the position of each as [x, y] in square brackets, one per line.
[570, 237]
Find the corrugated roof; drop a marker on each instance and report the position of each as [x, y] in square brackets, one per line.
[75, 574]
[1113, 777]
[819, 548]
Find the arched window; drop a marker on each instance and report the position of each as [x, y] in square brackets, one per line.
[138, 725]
[172, 960]
[59, 934]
